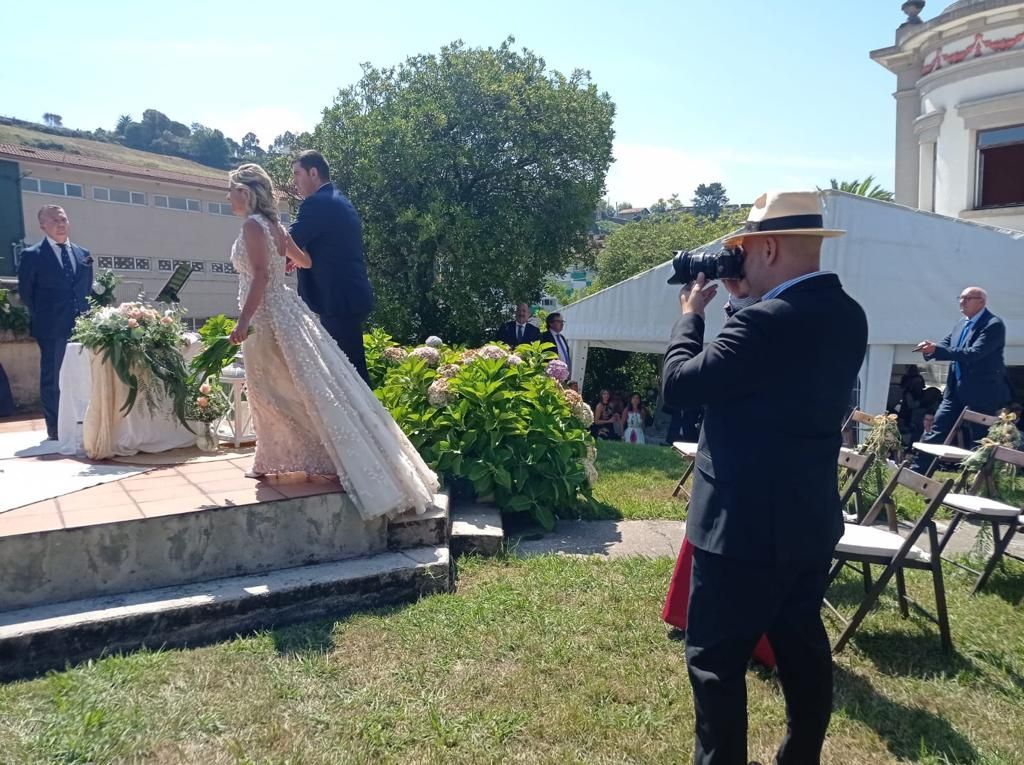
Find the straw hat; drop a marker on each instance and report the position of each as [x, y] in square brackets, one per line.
[790, 213]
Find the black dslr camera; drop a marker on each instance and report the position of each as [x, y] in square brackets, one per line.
[727, 264]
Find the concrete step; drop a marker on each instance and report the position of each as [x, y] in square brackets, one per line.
[68, 564]
[33, 640]
[476, 528]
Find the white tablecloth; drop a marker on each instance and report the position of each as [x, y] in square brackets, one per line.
[140, 431]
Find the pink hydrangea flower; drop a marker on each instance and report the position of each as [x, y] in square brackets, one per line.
[557, 370]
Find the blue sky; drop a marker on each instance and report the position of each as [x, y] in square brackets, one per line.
[756, 94]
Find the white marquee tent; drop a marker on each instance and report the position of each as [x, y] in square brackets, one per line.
[905, 267]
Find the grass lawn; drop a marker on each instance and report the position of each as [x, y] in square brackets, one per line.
[636, 482]
[545, 660]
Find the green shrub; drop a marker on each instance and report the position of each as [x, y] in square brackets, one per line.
[492, 423]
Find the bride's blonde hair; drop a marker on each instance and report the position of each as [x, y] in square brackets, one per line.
[259, 189]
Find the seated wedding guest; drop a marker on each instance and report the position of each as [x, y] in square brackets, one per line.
[910, 417]
[618, 405]
[54, 282]
[633, 419]
[911, 377]
[519, 330]
[604, 418]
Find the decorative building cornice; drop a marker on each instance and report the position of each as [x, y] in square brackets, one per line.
[926, 127]
[980, 46]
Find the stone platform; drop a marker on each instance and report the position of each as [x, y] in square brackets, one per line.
[197, 549]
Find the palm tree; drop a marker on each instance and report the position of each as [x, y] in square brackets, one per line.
[864, 189]
[122, 124]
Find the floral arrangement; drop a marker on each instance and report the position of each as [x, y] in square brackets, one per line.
[494, 424]
[883, 440]
[557, 370]
[143, 346]
[103, 289]
[207, 402]
[1003, 433]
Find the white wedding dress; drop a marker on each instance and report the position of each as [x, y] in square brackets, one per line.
[311, 410]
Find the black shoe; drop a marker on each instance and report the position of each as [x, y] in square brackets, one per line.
[676, 634]
[51, 437]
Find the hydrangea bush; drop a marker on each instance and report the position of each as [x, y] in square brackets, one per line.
[491, 423]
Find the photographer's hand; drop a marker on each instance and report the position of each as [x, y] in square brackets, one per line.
[695, 297]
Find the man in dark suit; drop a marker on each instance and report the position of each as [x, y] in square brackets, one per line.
[519, 330]
[336, 287]
[765, 517]
[555, 324]
[977, 376]
[54, 282]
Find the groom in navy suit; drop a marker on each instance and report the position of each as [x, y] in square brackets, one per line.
[54, 280]
[336, 286]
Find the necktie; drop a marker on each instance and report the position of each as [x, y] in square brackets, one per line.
[65, 262]
[959, 345]
[519, 333]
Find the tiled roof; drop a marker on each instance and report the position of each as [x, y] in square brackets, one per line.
[8, 150]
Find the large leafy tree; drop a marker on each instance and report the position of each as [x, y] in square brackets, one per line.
[709, 200]
[866, 188]
[638, 246]
[476, 172]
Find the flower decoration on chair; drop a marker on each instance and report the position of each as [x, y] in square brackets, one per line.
[1003, 432]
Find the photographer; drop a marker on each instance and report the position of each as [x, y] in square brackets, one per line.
[764, 519]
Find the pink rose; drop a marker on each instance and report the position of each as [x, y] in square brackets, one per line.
[132, 323]
[205, 389]
[203, 402]
[167, 321]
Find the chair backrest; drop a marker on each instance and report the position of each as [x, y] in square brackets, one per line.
[1008, 455]
[856, 467]
[860, 417]
[969, 415]
[931, 490]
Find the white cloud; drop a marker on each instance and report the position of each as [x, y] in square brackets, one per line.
[641, 174]
[266, 122]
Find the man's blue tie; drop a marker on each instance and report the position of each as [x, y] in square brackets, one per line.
[65, 262]
[959, 345]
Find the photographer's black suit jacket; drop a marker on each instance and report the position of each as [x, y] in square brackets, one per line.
[782, 369]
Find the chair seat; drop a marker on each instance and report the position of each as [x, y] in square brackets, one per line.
[942, 451]
[685, 448]
[969, 503]
[868, 540]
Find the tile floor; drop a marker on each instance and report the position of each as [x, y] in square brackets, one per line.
[164, 490]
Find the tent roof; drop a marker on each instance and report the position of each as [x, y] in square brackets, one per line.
[904, 266]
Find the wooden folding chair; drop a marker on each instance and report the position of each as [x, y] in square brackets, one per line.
[852, 469]
[869, 545]
[857, 417]
[688, 451]
[947, 453]
[1005, 519]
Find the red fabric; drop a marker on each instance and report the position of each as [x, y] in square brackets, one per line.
[678, 600]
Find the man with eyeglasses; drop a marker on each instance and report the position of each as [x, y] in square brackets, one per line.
[977, 374]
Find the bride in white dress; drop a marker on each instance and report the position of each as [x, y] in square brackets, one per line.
[311, 411]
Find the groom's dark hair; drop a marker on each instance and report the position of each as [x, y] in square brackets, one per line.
[311, 159]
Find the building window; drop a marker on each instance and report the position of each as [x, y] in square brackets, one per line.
[55, 188]
[1001, 167]
[219, 208]
[120, 196]
[177, 203]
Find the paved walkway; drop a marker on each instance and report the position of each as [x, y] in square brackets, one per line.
[655, 539]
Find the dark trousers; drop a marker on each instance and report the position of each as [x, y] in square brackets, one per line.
[945, 418]
[347, 331]
[685, 425]
[732, 603]
[51, 356]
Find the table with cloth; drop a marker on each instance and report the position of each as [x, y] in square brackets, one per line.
[90, 420]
